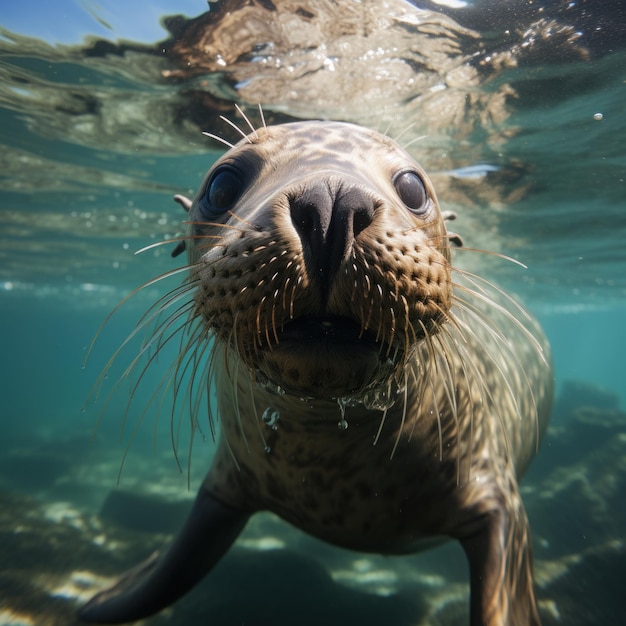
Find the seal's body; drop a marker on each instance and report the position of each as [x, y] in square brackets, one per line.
[368, 392]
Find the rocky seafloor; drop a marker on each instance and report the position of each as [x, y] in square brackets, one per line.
[55, 552]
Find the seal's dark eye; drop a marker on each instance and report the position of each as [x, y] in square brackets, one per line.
[412, 192]
[223, 190]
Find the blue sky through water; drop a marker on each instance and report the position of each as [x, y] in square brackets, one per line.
[70, 21]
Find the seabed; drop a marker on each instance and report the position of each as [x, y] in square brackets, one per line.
[56, 553]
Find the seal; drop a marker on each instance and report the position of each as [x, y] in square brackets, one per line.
[369, 391]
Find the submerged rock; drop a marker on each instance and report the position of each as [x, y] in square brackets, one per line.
[142, 512]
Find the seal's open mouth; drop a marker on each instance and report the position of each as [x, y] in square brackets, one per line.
[324, 357]
[325, 329]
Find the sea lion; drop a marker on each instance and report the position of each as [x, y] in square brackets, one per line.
[368, 391]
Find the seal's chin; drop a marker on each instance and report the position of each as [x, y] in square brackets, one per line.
[324, 358]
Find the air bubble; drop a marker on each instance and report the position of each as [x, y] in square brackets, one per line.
[270, 417]
[266, 384]
[343, 403]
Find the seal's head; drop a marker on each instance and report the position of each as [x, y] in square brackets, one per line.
[320, 256]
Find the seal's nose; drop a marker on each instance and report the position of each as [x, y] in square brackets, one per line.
[328, 218]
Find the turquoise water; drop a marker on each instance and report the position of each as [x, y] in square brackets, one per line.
[101, 118]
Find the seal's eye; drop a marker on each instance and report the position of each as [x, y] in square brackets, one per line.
[222, 191]
[412, 192]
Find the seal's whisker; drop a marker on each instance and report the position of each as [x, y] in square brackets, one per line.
[498, 367]
[231, 452]
[257, 421]
[445, 338]
[448, 385]
[499, 255]
[415, 228]
[141, 325]
[509, 316]
[449, 378]
[451, 389]
[437, 412]
[163, 304]
[207, 224]
[296, 285]
[187, 361]
[521, 370]
[257, 334]
[209, 247]
[414, 140]
[195, 397]
[126, 298]
[220, 139]
[167, 300]
[250, 225]
[380, 425]
[285, 289]
[449, 236]
[448, 319]
[379, 329]
[392, 331]
[266, 331]
[420, 385]
[274, 329]
[407, 343]
[403, 132]
[203, 376]
[161, 337]
[245, 117]
[387, 129]
[235, 402]
[402, 422]
[479, 282]
[213, 414]
[241, 132]
[367, 300]
[163, 242]
[262, 116]
[161, 389]
[230, 367]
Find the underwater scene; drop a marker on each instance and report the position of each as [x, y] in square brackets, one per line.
[515, 109]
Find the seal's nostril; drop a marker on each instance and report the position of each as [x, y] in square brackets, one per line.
[362, 215]
[328, 217]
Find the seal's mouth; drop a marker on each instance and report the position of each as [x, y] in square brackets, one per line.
[333, 329]
[325, 357]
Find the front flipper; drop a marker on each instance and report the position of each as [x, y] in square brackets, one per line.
[501, 561]
[207, 534]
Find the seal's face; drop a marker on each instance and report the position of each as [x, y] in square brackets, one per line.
[320, 256]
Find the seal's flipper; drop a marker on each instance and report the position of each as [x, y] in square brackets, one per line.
[501, 560]
[207, 534]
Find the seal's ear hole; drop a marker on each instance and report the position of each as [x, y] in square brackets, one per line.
[223, 190]
[412, 191]
[455, 240]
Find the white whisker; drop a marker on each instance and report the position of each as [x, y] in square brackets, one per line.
[262, 116]
[245, 117]
[220, 139]
[241, 132]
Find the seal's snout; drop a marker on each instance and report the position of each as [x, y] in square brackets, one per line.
[328, 217]
[321, 258]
